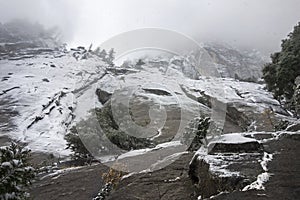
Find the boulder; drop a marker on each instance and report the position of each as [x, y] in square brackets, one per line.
[211, 175]
[234, 143]
[171, 182]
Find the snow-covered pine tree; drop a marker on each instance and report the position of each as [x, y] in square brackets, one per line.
[103, 54]
[111, 56]
[15, 172]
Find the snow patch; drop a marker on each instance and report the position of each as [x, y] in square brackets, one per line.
[261, 178]
[259, 183]
[146, 150]
[233, 138]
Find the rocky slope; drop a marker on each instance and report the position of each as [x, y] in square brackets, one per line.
[137, 115]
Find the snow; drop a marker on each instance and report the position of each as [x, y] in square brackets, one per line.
[6, 164]
[173, 180]
[273, 135]
[166, 160]
[57, 173]
[65, 74]
[259, 183]
[263, 177]
[78, 81]
[217, 164]
[267, 158]
[232, 138]
[133, 153]
[168, 144]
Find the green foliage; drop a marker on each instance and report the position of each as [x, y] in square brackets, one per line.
[281, 73]
[296, 97]
[15, 172]
[75, 144]
[112, 178]
[195, 136]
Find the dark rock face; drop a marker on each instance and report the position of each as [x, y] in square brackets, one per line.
[103, 96]
[7, 114]
[231, 163]
[79, 184]
[248, 147]
[209, 182]
[234, 116]
[169, 183]
[158, 92]
[45, 80]
[115, 135]
[294, 127]
[120, 71]
[21, 39]
[244, 66]
[285, 181]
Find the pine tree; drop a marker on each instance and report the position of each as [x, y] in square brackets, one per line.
[15, 172]
[75, 144]
[281, 73]
[97, 51]
[296, 97]
[103, 54]
[111, 56]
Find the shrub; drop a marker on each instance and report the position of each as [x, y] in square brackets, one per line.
[281, 73]
[75, 144]
[111, 179]
[195, 135]
[15, 172]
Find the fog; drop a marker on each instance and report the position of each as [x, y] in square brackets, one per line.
[259, 24]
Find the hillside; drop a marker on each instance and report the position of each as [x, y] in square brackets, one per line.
[47, 90]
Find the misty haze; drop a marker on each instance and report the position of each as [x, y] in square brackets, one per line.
[148, 99]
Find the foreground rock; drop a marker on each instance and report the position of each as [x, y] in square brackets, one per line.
[171, 182]
[231, 163]
[234, 143]
[70, 183]
[273, 174]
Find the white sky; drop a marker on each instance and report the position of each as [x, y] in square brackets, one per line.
[259, 24]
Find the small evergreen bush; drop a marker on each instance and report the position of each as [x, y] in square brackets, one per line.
[15, 172]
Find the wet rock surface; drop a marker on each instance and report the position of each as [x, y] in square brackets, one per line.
[247, 147]
[171, 182]
[77, 183]
[284, 168]
[230, 164]
[182, 179]
[103, 96]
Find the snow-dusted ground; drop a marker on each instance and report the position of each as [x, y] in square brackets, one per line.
[47, 91]
[51, 93]
[143, 151]
[232, 138]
